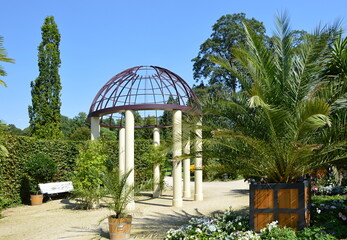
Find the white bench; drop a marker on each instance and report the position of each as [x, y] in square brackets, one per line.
[56, 187]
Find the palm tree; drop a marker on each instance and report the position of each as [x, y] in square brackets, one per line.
[3, 58]
[275, 118]
[334, 90]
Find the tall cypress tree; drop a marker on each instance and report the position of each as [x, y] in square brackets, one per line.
[44, 113]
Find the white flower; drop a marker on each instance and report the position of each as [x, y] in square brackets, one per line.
[212, 228]
[318, 210]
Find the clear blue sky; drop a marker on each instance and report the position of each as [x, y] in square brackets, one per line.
[102, 38]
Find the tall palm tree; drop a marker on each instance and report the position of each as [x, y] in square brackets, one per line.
[334, 90]
[276, 115]
[3, 58]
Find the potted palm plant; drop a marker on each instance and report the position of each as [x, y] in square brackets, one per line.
[276, 117]
[120, 195]
[39, 169]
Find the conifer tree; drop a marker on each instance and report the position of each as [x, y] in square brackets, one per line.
[44, 113]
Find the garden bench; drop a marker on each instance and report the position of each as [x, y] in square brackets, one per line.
[56, 187]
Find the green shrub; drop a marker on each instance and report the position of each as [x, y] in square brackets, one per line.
[154, 155]
[273, 231]
[4, 202]
[314, 233]
[326, 214]
[40, 169]
[88, 174]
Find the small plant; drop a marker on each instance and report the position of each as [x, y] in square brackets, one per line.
[40, 169]
[331, 190]
[273, 231]
[118, 190]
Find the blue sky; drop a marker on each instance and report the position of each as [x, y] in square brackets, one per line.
[103, 38]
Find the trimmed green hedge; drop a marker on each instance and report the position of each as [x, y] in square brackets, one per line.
[14, 187]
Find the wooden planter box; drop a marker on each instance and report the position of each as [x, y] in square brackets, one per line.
[288, 203]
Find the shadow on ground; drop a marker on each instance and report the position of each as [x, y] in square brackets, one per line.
[156, 224]
[240, 191]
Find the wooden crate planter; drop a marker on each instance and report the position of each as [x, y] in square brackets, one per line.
[288, 203]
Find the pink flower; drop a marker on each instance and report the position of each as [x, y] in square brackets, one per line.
[314, 188]
[343, 217]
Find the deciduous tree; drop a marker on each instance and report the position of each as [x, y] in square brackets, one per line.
[227, 33]
[44, 113]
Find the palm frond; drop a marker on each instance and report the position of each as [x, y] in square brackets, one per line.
[312, 114]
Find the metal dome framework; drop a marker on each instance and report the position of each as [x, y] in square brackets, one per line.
[142, 88]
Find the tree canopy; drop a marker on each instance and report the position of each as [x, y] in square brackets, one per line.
[227, 32]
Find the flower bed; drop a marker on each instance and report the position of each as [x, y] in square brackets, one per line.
[329, 222]
[330, 213]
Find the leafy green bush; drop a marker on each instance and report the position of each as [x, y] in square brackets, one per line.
[40, 169]
[4, 202]
[88, 173]
[326, 213]
[314, 233]
[154, 155]
[272, 231]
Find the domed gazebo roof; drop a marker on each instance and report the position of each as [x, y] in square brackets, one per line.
[143, 88]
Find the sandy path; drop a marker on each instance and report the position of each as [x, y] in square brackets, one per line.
[152, 218]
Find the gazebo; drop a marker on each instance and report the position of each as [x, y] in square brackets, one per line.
[152, 89]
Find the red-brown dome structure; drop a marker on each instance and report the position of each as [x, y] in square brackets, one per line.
[142, 88]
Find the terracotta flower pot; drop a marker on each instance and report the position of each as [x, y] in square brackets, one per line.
[119, 228]
[36, 199]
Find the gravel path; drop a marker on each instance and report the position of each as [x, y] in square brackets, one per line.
[58, 219]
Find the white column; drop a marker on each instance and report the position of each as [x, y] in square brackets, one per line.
[156, 167]
[121, 143]
[177, 152]
[186, 171]
[94, 128]
[129, 152]
[198, 196]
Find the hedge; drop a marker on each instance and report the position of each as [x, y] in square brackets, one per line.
[14, 185]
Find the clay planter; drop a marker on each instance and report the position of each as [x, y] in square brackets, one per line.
[287, 203]
[119, 228]
[36, 199]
